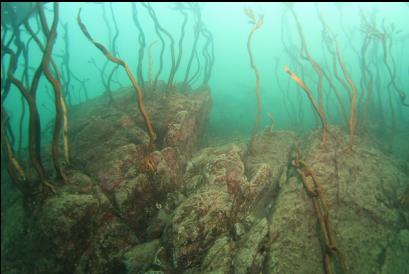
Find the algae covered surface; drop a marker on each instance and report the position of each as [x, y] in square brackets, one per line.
[204, 138]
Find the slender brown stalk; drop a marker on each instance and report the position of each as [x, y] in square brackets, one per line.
[181, 9]
[33, 118]
[384, 37]
[353, 93]
[15, 169]
[314, 103]
[151, 132]
[195, 8]
[352, 90]
[142, 42]
[60, 110]
[257, 23]
[150, 64]
[305, 54]
[162, 41]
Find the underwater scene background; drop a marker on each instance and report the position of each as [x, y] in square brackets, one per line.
[204, 137]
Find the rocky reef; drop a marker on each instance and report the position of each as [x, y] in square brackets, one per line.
[231, 208]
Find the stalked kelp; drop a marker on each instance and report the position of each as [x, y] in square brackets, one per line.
[61, 109]
[197, 57]
[314, 102]
[65, 67]
[29, 92]
[159, 29]
[384, 36]
[141, 106]
[257, 22]
[337, 75]
[333, 47]
[142, 44]
[305, 54]
[153, 185]
[199, 30]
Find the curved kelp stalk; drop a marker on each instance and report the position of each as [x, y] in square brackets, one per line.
[104, 67]
[114, 52]
[151, 132]
[257, 23]
[83, 87]
[290, 51]
[209, 56]
[314, 103]
[66, 64]
[305, 54]
[280, 87]
[60, 107]
[21, 49]
[384, 36]
[331, 38]
[195, 8]
[159, 29]
[150, 62]
[197, 73]
[14, 168]
[162, 50]
[142, 44]
[181, 8]
[29, 94]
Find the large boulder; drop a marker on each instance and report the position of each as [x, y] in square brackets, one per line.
[362, 189]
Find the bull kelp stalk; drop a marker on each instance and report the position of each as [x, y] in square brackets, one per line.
[377, 86]
[182, 9]
[162, 50]
[29, 94]
[330, 38]
[366, 79]
[159, 28]
[5, 81]
[60, 107]
[102, 70]
[113, 50]
[66, 65]
[151, 132]
[34, 122]
[314, 103]
[195, 75]
[142, 44]
[46, 31]
[353, 95]
[209, 56]
[14, 168]
[257, 23]
[21, 48]
[83, 87]
[280, 87]
[385, 37]
[289, 49]
[305, 54]
[43, 49]
[196, 10]
[150, 61]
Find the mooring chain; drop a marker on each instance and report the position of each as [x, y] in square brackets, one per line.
[332, 254]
